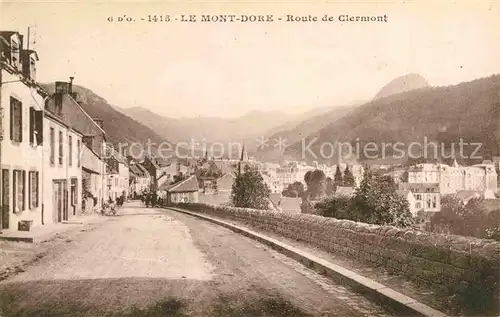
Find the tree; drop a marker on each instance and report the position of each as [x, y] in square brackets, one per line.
[337, 179]
[376, 201]
[404, 177]
[471, 219]
[475, 218]
[336, 207]
[249, 190]
[348, 177]
[316, 184]
[330, 187]
[294, 190]
[179, 177]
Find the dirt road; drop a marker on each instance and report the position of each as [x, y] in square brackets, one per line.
[155, 262]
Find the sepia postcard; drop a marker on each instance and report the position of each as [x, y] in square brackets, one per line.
[249, 158]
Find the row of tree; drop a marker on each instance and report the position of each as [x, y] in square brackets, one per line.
[471, 219]
[318, 185]
[375, 202]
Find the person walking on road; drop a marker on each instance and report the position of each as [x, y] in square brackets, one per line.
[154, 199]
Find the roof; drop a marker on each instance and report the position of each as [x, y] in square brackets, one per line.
[291, 205]
[142, 168]
[418, 186]
[88, 170]
[188, 185]
[135, 170]
[275, 198]
[7, 34]
[54, 117]
[403, 193]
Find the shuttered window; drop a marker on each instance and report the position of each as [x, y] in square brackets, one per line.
[16, 120]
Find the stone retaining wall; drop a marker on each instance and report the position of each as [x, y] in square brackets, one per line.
[465, 267]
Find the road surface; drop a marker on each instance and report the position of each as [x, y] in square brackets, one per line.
[156, 262]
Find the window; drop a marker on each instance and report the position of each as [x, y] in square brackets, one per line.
[19, 190]
[74, 191]
[61, 153]
[70, 150]
[78, 152]
[33, 189]
[15, 53]
[52, 146]
[16, 120]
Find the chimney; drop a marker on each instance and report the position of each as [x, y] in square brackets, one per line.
[70, 88]
[100, 122]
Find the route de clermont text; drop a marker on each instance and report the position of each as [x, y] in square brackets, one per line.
[231, 18]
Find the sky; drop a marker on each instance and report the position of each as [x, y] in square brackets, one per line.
[228, 69]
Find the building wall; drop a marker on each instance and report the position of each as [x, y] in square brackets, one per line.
[54, 171]
[186, 197]
[423, 257]
[19, 156]
[124, 176]
[96, 182]
[455, 178]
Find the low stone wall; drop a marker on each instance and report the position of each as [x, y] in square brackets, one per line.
[465, 267]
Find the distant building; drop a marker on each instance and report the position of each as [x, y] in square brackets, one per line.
[427, 195]
[185, 191]
[139, 178]
[453, 178]
[344, 191]
[62, 192]
[118, 174]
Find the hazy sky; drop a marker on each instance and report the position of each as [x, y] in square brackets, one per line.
[228, 69]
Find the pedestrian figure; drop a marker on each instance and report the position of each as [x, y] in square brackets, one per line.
[154, 199]
[147, 199]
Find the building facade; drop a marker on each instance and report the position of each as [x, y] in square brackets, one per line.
[62, 190]
[21, 101]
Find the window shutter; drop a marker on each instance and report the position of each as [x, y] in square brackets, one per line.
[23, 190]
[39, 126]
[20, 107]
[29, 189]
[12, 118]
[32, 125]
[14, 190]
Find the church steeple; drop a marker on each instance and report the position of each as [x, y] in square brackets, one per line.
[244, 154]
[243, 158]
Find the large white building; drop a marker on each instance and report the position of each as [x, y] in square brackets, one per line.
[21, 104]
[454, 178]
